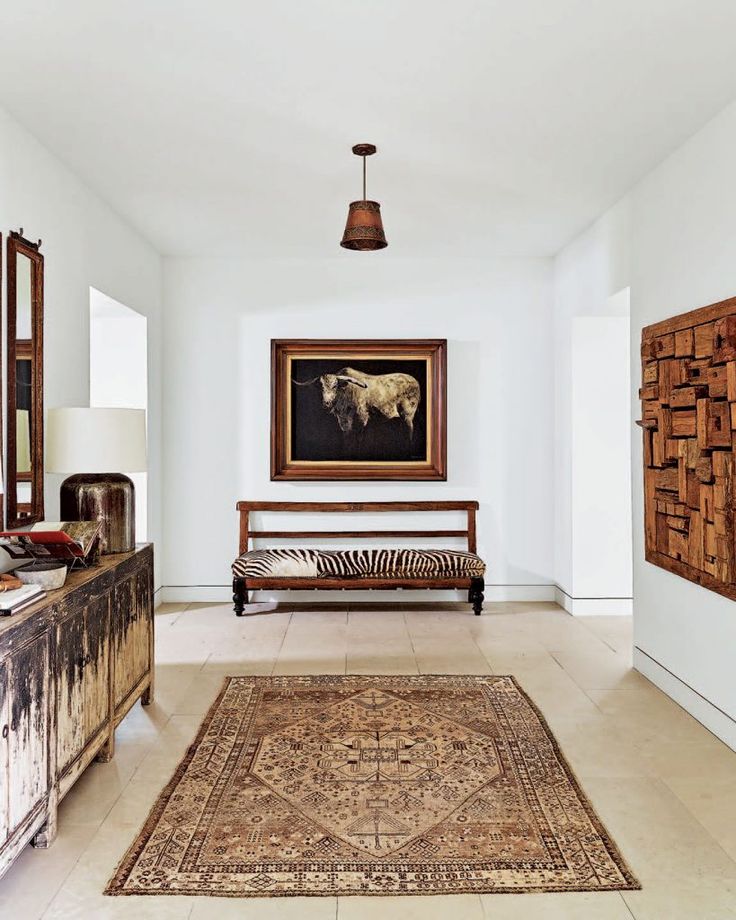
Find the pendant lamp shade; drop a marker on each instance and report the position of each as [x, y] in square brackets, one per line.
[364, 227]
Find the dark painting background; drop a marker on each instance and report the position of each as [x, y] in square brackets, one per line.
[315, 434]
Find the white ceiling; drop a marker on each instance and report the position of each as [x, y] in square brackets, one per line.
[502, 127]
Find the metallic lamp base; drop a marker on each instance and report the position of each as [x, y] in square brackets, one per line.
[105, 497]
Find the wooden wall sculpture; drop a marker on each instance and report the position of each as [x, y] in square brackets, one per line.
[688, 399]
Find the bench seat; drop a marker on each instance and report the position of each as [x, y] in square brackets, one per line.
[362, 568]
[356, 563]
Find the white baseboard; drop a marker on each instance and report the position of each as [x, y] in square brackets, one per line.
[190, 594]
[219, 594]
[708, 714]
[522, 593]
[594, 606]
[196, 594]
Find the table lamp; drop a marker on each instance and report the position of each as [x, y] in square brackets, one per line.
[97, 440]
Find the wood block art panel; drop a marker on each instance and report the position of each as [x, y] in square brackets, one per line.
[688, 397]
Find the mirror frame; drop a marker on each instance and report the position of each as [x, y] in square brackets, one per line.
[18, 245]
[2, 409]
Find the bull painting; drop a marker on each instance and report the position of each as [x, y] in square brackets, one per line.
[352, 396]
[365, 410]
[358, 409]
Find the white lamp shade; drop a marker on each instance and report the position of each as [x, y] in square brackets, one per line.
[96, 441]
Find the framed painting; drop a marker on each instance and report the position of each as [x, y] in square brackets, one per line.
[360, 409]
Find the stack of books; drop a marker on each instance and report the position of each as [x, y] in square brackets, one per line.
[19, 598]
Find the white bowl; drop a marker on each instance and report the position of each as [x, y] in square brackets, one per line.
[49, 575]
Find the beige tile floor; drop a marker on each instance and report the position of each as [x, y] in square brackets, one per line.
[665, 787]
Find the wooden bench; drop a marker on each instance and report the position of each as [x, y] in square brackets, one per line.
[474, 584]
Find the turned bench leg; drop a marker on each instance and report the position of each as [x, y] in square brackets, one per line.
[240, 596]
[475, 595]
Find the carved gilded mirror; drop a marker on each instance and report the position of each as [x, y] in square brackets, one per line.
[24, 425]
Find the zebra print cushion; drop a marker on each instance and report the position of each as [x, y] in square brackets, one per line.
[349, 563]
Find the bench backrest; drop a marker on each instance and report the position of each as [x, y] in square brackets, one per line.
[245, 509]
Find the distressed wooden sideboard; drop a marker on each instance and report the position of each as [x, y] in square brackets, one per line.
[71, 666]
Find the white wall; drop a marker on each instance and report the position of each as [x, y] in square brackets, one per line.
[673, 239]
[683, 246]
[85, 244]
[220, 318]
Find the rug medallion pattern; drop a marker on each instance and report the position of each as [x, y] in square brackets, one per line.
[371, 785]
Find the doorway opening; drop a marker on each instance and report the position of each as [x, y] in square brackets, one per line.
[601, 459]
[118, 374]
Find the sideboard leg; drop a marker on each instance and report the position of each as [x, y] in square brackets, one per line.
[240, 596]
[46, 834]
[475, 595]
[107, 751]
[147, 695]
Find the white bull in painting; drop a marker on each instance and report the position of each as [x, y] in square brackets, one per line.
[352, 395]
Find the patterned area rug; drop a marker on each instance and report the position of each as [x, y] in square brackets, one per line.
[371, 786]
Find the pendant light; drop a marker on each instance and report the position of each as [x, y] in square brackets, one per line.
[364, 228]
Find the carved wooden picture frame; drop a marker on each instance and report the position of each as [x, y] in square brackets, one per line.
[358, 409]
